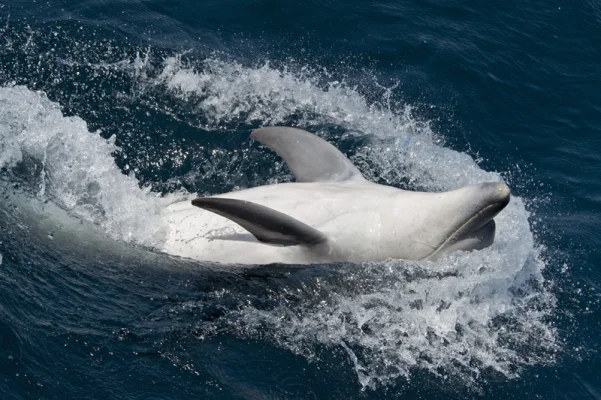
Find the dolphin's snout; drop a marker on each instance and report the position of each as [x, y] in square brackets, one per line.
[491, 199]
[496, 193]
[472, 225]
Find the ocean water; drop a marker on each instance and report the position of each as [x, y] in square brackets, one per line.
[110, 111]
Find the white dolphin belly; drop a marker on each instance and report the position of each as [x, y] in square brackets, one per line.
[203, 235]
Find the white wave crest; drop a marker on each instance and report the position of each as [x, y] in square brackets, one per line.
[76, 167]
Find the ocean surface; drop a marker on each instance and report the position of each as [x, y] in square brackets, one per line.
[111, 110]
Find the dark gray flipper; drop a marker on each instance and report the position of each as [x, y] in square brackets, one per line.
[266, 224]
[310, 158]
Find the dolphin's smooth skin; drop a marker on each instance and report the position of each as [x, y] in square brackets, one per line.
[330, 214]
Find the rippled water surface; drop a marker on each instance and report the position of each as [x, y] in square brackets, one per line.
[110, 111]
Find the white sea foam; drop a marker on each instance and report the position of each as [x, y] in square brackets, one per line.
[226, 92]
[460, 316]
[76, 167]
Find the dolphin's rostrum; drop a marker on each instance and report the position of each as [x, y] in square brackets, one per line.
[330, 214]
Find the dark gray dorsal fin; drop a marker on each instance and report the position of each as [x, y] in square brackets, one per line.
[266, 224]
[310, 158]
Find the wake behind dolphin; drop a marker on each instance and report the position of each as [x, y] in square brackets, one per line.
[330, 214]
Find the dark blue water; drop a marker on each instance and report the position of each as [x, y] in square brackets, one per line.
[109, 111]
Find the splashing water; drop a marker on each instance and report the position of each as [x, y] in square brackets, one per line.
[406, 149]
[76, 168]
[461, 316]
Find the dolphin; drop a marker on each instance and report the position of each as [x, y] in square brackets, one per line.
[330, 214]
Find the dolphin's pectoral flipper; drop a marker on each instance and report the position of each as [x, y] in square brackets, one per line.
[266, 224]
[310, 158]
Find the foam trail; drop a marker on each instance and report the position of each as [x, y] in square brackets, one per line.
[76, 167]
[227, 92]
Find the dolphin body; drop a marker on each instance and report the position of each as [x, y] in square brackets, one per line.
[330, 214]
